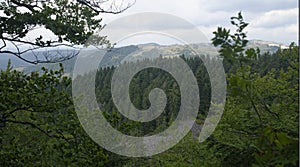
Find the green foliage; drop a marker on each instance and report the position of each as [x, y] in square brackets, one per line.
[273, 148]
[232, 46]
[69, 23]
[69, 20]
[39, 126]
[260, 121]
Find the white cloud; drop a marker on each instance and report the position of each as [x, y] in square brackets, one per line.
[276, 18]
[284, 34]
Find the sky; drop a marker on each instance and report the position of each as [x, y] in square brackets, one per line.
[270, 20]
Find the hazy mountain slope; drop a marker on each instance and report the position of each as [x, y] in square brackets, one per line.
[138, 52]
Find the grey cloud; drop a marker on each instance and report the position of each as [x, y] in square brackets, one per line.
[261, 14]
[249, 5]
[153, 22]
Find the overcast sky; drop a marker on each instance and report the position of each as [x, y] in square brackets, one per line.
[270, 20]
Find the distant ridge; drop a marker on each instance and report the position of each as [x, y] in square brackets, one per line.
[142, 51]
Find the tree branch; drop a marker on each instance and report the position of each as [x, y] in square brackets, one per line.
[95, 6]
[29, 7]
[58, 58]
[4, 44]
[269, 110]
[15, 110]
[254, 106]
[242, 132]
[39, 129]
[83, 27]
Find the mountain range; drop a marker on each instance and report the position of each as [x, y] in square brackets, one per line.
[137, 52]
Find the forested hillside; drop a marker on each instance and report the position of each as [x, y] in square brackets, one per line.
[259, 126]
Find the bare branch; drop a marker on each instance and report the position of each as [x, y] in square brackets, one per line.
[96, 6]
[58, 57]
[19, 56]
[52, 43]
[4, 44]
